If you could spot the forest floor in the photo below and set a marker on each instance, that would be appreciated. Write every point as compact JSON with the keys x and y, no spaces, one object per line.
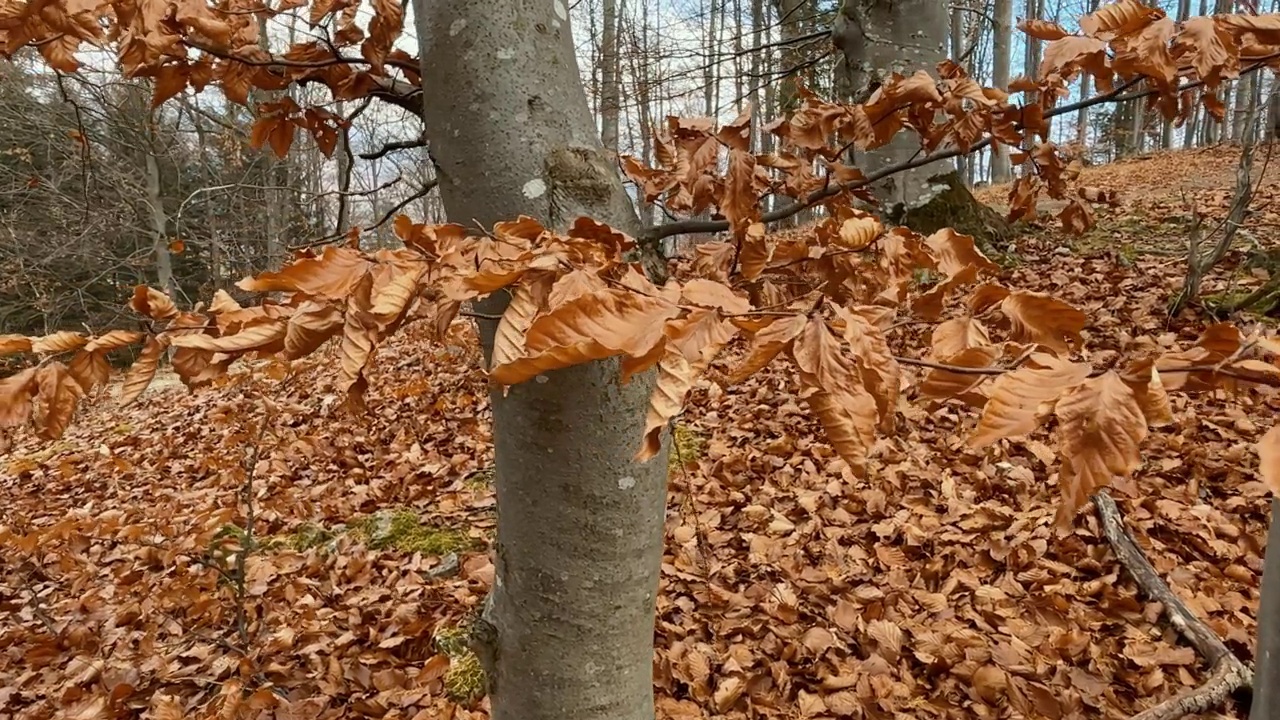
{"x":935,"y":588}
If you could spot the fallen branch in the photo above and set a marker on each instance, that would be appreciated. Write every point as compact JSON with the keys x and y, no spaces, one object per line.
{"x":1228,"y":675}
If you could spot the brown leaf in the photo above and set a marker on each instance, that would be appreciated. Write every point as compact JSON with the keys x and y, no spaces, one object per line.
{"x":508,"y":342}
{"x":152,"y":303}
{"x":952,"y":336}
{"x":59,"y":342}
{"x":1019,"y":399}
{"x":14,"y":344}
{"x":59,"y":393}
{"x":332,"y":276}
{"x":143,"y":370}
{"x":16,"y":393}
{"x":612,"y":321}
{"x":766,"y":343}
{"x":309,"y":327}
{"x":267,"y":336}
{"x":675,"y":377}
{"x":1100,"y":428}
{"x":1039,"y":318}
{"x":713,"y":294}
{"x":113,"y":340}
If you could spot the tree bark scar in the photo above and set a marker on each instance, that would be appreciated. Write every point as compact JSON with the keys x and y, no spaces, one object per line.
{"x":580,"y":182}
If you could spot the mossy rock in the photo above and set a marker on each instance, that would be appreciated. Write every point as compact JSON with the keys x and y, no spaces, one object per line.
{"x":403,"y":530}
{"x":464,"y":681}
{"x":480,"y":479}
{"x":953,"y":206}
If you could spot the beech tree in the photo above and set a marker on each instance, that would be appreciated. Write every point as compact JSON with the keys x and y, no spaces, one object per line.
{"x":590,"y":348}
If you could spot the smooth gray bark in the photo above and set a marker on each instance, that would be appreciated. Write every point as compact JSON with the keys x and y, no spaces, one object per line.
{"x":1266,"y":674}
{"x":609,"y":77}
{"x":567,"y":633}
{"x":878,"y":38}
{"x":1001,"y":53}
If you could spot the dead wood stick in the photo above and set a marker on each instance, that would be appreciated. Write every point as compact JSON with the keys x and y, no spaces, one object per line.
{"x":1228,"y":674}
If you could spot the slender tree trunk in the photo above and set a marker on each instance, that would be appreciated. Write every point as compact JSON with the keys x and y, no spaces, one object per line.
{"x":1002,"y":52}
{"x":1266,"y":675}
{"x":877,"y":38}
{"x":567,"y":632}
{"x":159,"y":220}
{"x":609,"y":78}
{"x":711,"y":69}
{"x":957,"y":53}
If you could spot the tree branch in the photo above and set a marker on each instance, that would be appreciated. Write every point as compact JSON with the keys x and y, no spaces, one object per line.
{"x":689,"y":226}
{"x":1229,"y":673}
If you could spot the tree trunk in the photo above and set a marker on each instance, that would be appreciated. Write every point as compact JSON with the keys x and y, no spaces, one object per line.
{"x":1266,"y":675}
{"x":159,"y":221}
{"x":1002,"y":51}
{"x":567,"y":632}
{"x":880,"y":37}
{"x":609,"y":78}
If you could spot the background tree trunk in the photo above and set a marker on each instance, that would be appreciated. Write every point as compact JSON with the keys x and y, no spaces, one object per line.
{"x":609,"y":78}
{"x":881,"y":37}
{"x":567,"y":633}
{"x":1002,"y":51}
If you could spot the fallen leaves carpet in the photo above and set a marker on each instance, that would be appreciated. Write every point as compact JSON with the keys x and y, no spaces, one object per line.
{"x":936,"y":588}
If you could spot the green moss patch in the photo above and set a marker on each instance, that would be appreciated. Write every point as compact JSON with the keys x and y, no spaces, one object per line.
{"x":464,"y":681}
{"x":404,"y":530}
{"x":686,"y":447}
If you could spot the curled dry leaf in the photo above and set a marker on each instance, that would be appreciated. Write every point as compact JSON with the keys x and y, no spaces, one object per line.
{"x":1039,"y":318}
{"x":767,"y":342}
{"x":14,"y":344}
{"x":309,"y":327}
{"x":267,"y":337}
{"x":332,"y":276}
{"x":113,"y":340}
{"x":613,"y":321}
{"x":59,"y":393}
{"x":675,"y":377}
{"x":143,"y":370}
{"x":508,"y":341}
{"x":942,"y":384}
{"x":16,"y":393}
{"x":152,"y":303}
{"x":951,"y":337}
{"x":713,"y":294}
{"x":59,"y":342}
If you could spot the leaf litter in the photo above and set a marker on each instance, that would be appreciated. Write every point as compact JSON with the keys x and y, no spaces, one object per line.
{"x":935,"y":585}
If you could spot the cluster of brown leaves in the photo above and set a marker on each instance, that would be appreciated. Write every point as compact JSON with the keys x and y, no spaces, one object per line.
{"x":790,"y":586}
{"x":822,"y":299}
{"x":198,"y":43}
{"x":115,"y":581}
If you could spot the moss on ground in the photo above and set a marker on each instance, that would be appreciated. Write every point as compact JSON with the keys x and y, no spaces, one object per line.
{"x":402,"y":529}
{"x":399,"y":529}
{"x":687,"y":446}
{"x":464,"y":681}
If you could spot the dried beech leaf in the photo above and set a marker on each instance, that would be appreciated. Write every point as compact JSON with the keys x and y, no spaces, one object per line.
{"x":1019,"y":399}
{"x":675,"y":377}
{"x":1100,"y":428}
{"x":766,"y":343}
{"x":59,"y":342}
{"x":508,"y":342}
{"x":142,"y":371}
{"x":267,"y":336}
{"x":14,"y":344}
{"x":952,"y":336}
